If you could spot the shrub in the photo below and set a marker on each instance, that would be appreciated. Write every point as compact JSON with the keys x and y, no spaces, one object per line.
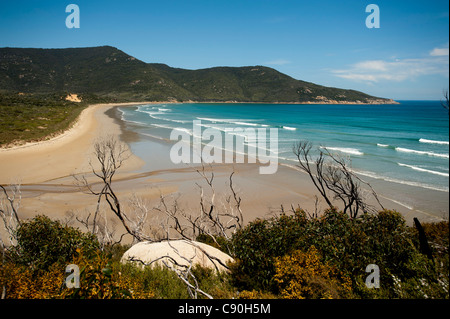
{"x":20,"y":282}
{"x":352,"y":244}
{"x":258,"y":244}
{"x":101,"y":279}
{"x":255,"y":294}
{"x":289,"y":256}
{"x":303,"y":275}
{"x":163,"y":282}
{"x":437,"y":235}
{"x":343,"y":243}
{"x":41,"y":242}
{"x":219,"y":242}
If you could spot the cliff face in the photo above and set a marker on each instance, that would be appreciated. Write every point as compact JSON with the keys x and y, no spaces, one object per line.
{"x":109,"y":72}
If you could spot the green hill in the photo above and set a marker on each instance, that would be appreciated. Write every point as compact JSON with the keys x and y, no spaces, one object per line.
{"x":110,"y":73}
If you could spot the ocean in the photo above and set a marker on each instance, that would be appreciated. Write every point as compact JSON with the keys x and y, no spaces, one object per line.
{"x":405,"y":146}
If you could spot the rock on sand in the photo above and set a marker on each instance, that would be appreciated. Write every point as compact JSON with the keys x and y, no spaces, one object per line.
{"x":182,"y":251}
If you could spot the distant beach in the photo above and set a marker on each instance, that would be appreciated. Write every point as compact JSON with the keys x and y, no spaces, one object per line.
{"x":63,"y":155}
{"x":45,"y":172}
{"x":402,"y":150}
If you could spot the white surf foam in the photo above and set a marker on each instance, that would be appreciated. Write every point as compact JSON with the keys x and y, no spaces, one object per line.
{"x":232,"y":121}
{"x":420,"y":169}
{"x":403,"y":182}
{"x":399,"y":203}
{"x":169,"y":120}
{"x":244,"y":123}
{"x":352,"y":151}
{"x":163,"y":126}
{"x":407,"y":150}
{"x":423,"y":140}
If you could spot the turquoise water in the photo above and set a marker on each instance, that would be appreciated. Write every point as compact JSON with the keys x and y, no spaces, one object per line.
{"x":403,"y":145}
{"x":402,"y":150}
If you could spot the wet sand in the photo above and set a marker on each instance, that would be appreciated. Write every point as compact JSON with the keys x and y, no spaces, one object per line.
{"x":45,"y":170}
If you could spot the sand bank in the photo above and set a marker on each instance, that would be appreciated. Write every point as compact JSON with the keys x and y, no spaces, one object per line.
{"x":45,"y":171}
{"x":63,"y":155}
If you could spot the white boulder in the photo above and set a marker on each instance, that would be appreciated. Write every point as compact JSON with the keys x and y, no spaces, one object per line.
{"x":181,"y":252}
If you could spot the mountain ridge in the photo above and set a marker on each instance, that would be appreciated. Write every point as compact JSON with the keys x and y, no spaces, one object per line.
{"x":109,"y":72}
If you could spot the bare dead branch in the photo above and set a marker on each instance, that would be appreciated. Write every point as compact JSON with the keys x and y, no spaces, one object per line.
{"x":334,"y":178}
{"x":182,"y":270}
{"x":9,"y":206}
{"x":110,"y":154}
{"x":302,"y":152}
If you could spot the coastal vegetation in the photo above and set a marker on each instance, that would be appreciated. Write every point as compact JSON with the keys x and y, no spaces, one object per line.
{"x":27,"y":117}
{"x":287,"y":256}
{"x":294,"y":254}
{"x":34,"y":84}
{"x":108,"y":72}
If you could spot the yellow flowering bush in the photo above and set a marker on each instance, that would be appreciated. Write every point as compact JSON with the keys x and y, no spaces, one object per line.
{"x":100,"y":280}
{"x":255,"y":294}
{"x":302,"y":275}
{"x":21,"y":282}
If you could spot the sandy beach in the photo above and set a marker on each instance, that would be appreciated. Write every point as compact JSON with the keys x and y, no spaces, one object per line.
{"x":63,"y":155}
{"x":45,"y":171}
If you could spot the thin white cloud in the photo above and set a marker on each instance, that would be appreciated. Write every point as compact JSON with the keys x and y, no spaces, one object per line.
{"x":373,"y":71}
{"x":375,"y":65}
{"x":439,"y":52}
{"x":278,"y":62}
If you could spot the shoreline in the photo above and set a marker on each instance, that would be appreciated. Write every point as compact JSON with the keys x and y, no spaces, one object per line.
{"x":299,"y":187}
{"x":62,"y":155}
{"x":329,"y":102}
{"x":73,"y":127}
{"x":332,"y":102}
{"x":48,"y":186}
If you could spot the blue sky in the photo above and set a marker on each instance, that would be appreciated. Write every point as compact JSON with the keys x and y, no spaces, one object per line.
{"x":325,"y":42}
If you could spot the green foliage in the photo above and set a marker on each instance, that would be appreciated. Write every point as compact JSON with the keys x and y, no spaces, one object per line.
{"x":289,"y":256}
{"x":346,"y":244}
{"x":352,"y":244}
{"x":164,"y":283}
{"x":107,"y":71}
{"x":21,"y":282}
{"x":437,"y":235}
{"x":35,"y":82}
{"x":42,"y":242}
{"x":30,"y":117}
{"x":33,"y":117}
{"x":35,"y":268}
{"x":218,"y":285}
{"x":303,"y":275}
{"x":100,"y":278}
{"x":220,"y":242}
{"x":258,"y":244}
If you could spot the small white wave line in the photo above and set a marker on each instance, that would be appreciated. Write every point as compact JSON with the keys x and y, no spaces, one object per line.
{"x":347,"y":150}
{"x":420,"y":169}
{"x":407,"y":150}
{"x":423,"y":140}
